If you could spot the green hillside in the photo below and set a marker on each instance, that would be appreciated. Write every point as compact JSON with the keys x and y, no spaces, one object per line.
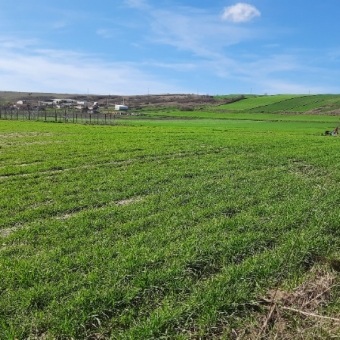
{"x":313,"y":104}
{"x":255,"y":102}
{"x":303,"y":104}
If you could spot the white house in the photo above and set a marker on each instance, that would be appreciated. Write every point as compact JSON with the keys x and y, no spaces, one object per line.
{"x":121,"y":107}
{"x":65,"y":101}
{"x":83,"y":102}
{"x":46,"y":102}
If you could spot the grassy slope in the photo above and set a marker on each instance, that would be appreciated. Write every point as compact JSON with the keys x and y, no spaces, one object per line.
{"x":256,"y":101}
{"x":303,"y":104}
{"x":285,"y":103}
{"x":161,"y":227}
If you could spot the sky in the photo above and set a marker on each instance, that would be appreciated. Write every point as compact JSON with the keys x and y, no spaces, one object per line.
{"x":131,"y":47}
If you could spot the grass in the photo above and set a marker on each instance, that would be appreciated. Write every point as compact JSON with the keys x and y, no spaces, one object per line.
{"x":158,"y":228}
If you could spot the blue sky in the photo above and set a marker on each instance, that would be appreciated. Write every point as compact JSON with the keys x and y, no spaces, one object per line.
{"x":170,"y":46}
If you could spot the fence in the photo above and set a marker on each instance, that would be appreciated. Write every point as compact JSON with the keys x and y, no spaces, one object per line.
{"x":58,"y":116}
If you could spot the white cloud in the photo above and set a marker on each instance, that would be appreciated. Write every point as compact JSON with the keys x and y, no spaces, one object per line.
{"x":240,"y":12}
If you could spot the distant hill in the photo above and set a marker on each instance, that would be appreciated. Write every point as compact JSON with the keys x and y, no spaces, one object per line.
{"x":188,"y":101}
{"x":282,"y":103}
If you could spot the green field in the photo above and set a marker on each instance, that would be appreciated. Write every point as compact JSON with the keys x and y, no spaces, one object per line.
{"x":162,"y":228}
{"x":236,"y":116}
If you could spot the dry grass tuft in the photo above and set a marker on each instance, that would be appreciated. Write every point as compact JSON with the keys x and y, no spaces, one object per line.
{"x":300,"y":313}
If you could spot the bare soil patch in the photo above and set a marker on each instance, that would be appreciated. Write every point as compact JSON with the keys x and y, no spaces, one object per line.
{"x":129,"y":201}
{"x":117,"y":203}
{"x":28,"y":134}
{"x":8,"y":231}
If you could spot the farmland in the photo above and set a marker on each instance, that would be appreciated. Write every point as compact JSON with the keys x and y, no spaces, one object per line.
{"x":165,"y":228}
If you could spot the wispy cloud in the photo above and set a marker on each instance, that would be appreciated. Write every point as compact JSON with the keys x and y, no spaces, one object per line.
{"x":59,"y":24}
{"x":196,"y":32}
{"x":211,"y":42}
{"x":9,"y":42}
{"x":240,"y":12}
{"x":277,"y":86}
{"x":40,"y":70}
{"x":286,"y":73}
{"x":178,"y":67}
{"x":105,"y":33}
{"x":170,"y":50}
{"x":140,"y":4}
{"x":31,"y":68}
